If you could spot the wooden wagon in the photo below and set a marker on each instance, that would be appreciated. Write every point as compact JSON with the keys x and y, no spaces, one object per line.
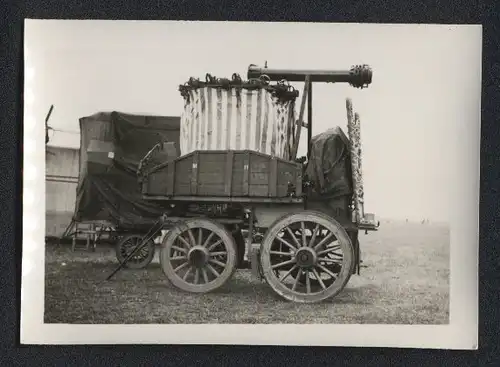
{"x":221,"y":205}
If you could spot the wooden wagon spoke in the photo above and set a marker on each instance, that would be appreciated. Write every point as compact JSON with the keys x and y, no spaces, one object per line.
{"x":323,"y":241}
{"x":177,"y":258}
{"x":218,"y":253}
{"x":294,"y":237}
{"x":180,"y":238}
{"x":327,"y":271}
{"x":289,"y":254}
{"x":283,"y":264}
{"x":180,"y":267}
{"x":318,"y":278}
{"x":200,"y":236}
{"x":205,"y":275}
{"x":214,"y":245}
{"x":213,"y":271}
{"x":180,"y":249}
{"x":196,"y":276}
{"x":308,"y":282}
{"x":330,"y":251}
{"x":208,"y":239}
{"x":284,"y":242}
{"x":191,"y":236}
{"x":287,"y":274}
{"x":217,"y":262}
{"x":330,"y":260}
{"x":303,"y":230}
{"x":296,"y":283}
{"x":314,"y":234}
{"x":186,"y":274}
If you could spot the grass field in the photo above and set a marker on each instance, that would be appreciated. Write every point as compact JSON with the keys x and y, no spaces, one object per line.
{"x":406,"y":281}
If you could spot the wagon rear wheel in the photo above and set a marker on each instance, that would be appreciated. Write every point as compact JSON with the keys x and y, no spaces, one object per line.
{"x":307,"y":257}
{"x":141,"y":258}
{"x":198,"y":256}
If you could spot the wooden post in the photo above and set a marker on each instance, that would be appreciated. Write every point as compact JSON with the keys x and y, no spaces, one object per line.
{"x":73,"y":240}
{"x":300,"y":121}
{"x":360,"y":190}
{"x":354,"y":161}
{"x":353,"y":128}
{"x":309,"y":118}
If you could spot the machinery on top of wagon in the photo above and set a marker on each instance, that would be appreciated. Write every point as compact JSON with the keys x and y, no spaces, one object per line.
{"x":238,"y":187}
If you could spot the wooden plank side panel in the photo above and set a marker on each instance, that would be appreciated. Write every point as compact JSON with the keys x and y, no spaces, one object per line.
{"x":228,"y":174}
{"x":183,"y":172}
{"x":210,"y":161}
{"x":273,"y":177}
{"x":259,"y":190}
{"x":211,"y":171}
{"x":246,"y":174}
{"x":259,"y":163}
{"x":171,"y":177}
{"x":238,"y":162}
{"x":194,"y":173}
{"x":211,"y":189}
{"x":286,"y":174}
{"x":156,"y":183}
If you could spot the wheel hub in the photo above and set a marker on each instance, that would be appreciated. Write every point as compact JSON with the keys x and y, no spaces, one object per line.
{"x":129,"y":247}
{"x":306,"y":257}
{"x":198,"y":256}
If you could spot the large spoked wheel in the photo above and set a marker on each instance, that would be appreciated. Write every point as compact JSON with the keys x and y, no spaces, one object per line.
{"x":141,"y":258}
{"x":198,"y":256}
{"x":307,"y":257}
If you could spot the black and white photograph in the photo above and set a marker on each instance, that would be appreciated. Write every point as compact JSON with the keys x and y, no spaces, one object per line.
{"x":251,"y":183}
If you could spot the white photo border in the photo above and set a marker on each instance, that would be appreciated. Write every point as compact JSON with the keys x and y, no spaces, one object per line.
{"x":460,"y":333}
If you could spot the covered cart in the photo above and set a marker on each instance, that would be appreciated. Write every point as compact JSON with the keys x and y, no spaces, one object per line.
{"x":112,"y":146}
{"x":238,"y":173}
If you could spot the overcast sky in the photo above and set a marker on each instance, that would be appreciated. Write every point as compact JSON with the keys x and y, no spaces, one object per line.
{"x":425,"y":88}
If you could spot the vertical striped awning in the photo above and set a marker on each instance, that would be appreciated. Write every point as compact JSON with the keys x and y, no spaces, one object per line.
{"x":237,"y":118}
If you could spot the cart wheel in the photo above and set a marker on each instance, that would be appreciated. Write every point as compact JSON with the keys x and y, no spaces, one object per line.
{"x":296,"y":248}
{"x":142,"y":258}
{"x":199,"y":255}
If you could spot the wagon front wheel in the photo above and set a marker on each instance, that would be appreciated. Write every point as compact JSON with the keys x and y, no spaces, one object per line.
{"x":142,"y":256}
{"x":307,"y":257}
{"x":198,"y":256}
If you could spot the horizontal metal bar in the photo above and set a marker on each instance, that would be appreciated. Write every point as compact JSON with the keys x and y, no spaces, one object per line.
{"x":62,"y":176}
{"x":358,"y":76}
{"x":61,"y":180}
{"x":224,"y":199}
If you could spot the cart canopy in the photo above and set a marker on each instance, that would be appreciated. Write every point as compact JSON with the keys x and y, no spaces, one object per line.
{"x":329,"y":166}
{"x":111,"y":146}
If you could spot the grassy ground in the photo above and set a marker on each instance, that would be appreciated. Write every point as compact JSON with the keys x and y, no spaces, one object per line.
{"x":406,"y":281}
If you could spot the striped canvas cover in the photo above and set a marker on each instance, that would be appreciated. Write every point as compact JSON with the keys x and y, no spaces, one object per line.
{"x":237,"y":119}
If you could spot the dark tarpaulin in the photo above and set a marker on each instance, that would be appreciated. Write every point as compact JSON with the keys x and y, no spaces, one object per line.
{"x":329,"y":166}
{"x":111,"y":147}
